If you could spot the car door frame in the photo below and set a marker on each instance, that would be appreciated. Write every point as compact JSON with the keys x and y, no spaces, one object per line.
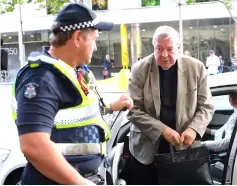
{"x":232,"y":150}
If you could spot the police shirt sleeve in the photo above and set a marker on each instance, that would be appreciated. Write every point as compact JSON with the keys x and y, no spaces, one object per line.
{"x":37,"y":106}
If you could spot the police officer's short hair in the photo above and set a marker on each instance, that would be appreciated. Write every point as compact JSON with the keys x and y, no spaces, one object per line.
{"x":58,"y":38}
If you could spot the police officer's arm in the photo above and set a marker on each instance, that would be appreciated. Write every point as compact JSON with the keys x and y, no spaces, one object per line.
{"x":43,"y":154}
{"x":123,"y":102}
{"x":217,"y":145}
{"x":35,"y":119}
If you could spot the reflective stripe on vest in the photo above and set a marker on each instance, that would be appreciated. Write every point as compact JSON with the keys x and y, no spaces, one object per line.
{"x":82,"y":148}
{"x":70,"y":117}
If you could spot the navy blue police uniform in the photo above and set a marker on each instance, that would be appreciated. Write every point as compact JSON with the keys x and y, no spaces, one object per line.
{"x":50,"y":96}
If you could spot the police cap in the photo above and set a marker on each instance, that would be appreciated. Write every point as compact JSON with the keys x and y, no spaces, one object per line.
{"x":76,"y":16}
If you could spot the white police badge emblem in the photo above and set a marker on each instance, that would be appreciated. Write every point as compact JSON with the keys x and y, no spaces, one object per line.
{"x":30,"y":91}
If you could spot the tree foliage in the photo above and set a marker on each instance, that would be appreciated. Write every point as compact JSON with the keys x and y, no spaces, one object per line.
{"x":150,"y":2}
{"x":227,"y":3}
{"x":54,"y":5}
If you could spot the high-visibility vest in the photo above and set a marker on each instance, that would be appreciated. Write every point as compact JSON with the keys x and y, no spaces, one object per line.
{"x":83,"y":115}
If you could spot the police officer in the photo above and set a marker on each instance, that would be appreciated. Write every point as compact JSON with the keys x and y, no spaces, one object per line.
{"x":61,"y":131}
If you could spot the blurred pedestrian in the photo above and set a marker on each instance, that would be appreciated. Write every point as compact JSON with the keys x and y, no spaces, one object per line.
{"x":232,"y":63}
{"x":107,"y":67}
{"x":212,"y":63}
{"x":221,"y":67}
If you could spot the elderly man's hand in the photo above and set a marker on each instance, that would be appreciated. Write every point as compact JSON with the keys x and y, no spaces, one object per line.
{"x":188,"y":137}
{"x":123,"y":102}
{"x":171,"y":136}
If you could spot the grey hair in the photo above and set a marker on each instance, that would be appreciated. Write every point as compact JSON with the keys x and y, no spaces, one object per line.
{"x":165,"y":32}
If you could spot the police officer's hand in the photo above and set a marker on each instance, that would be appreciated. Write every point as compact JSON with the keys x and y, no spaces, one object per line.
{"x":188,"y":137}
{"x":123,"y":102}
{"x":171,"y":136}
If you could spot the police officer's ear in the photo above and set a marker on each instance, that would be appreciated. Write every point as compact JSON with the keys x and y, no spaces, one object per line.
{"x":77,"y":37}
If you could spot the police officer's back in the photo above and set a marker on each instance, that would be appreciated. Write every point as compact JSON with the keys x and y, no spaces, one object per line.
{"x":53,"y":108}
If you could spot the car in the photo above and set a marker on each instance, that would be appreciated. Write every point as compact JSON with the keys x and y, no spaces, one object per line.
{"x":221,"y":85}
{"x":12,"y":161}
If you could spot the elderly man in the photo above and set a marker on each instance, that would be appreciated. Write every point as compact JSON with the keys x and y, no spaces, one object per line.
{"x":212,"y":63}
{"x":172,"y":104}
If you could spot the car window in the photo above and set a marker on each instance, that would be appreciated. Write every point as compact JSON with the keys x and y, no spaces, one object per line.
{"x":222,"y":102}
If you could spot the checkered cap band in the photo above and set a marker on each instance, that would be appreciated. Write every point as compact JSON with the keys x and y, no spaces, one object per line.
{"x":78,"y":26}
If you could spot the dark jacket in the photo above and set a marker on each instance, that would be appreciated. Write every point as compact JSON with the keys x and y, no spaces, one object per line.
{"x":107,"y":64}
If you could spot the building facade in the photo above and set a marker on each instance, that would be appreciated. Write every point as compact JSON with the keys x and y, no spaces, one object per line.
{"x":206,"y":26}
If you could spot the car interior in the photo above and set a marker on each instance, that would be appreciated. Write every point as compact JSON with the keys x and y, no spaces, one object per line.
{"x":222,"y":113}
{"x":119,"y":156}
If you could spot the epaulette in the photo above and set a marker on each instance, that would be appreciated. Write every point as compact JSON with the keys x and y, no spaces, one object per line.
{"x":34,"y":59}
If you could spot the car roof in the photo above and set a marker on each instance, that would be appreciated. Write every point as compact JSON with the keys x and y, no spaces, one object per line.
{"x":222,"y":80}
